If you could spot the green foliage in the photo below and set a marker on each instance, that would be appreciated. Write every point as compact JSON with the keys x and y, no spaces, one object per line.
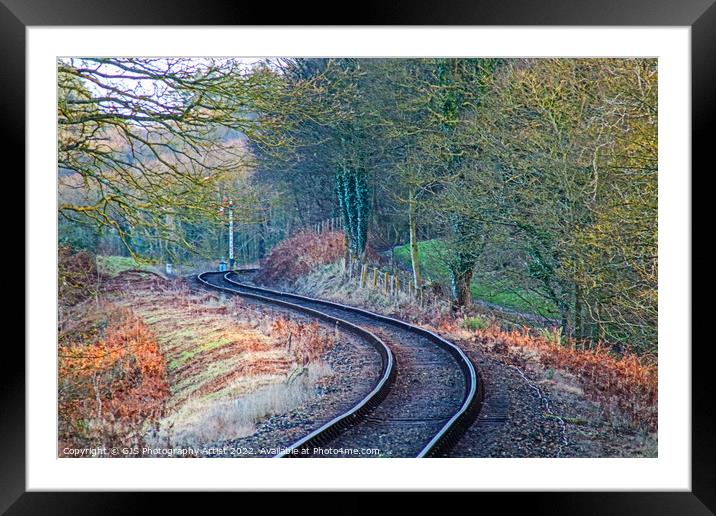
{"x":498,"y":291}
{"x":551,"y":335}
{"x":113,"y":265}
{"x":575,"y":141}
{"x":475,"y":322}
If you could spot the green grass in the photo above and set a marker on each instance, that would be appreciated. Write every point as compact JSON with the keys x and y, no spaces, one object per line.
{"x":505,"y":294}
{"x":475,"y":322}
{"x":113,"y":265}
{"x":185,"y":356}
{"x":499,"y":292}
{"x":431,"y":261}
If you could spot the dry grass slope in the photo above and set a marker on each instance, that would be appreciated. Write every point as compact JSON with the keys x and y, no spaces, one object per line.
{"x":144,"y":361}
{"x":229,"y":364}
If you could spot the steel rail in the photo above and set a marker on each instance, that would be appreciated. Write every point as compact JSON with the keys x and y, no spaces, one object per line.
{"x":453,"y":429}
{"x":330,"y":429}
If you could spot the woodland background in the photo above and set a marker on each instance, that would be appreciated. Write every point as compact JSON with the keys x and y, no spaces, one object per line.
{"x":531,"y":182}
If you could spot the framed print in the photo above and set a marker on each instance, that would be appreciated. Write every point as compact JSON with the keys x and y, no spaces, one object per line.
{"x":447,"y":247}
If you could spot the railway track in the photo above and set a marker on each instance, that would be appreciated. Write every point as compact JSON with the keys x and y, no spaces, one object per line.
{"x":427,"y":394}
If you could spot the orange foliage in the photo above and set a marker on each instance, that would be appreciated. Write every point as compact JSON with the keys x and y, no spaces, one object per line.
{"x":112,"y":380}
{"x":298,"y":255}
{"x":257,"y":341}
{"x":625,"y":382}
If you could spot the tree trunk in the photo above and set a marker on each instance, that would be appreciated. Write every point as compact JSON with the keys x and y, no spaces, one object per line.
{"x":577,"y":313}
{"x":346,"y":251}
{"x":461,"y":287}
{"x":414,"y":253}
{"x":564,"y":314}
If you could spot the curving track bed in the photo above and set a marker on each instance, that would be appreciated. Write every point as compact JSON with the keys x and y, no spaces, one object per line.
{"x":428,"y":394}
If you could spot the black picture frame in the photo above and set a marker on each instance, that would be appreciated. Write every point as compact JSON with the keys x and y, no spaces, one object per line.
{"x":700,"y":15}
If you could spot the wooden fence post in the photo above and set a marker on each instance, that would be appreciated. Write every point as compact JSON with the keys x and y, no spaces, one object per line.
{"x":375,"y":277}
{"x":363,"y":275}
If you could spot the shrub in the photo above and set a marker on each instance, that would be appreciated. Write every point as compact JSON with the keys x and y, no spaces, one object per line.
{"x":551,"y":335}
{"x":76,"y":276}
{"x":626,"y":383}
{"x":112,"y":380}
{"x":298,"y":255}
{"x":475,"y":322}
{"x":113,"y":265}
